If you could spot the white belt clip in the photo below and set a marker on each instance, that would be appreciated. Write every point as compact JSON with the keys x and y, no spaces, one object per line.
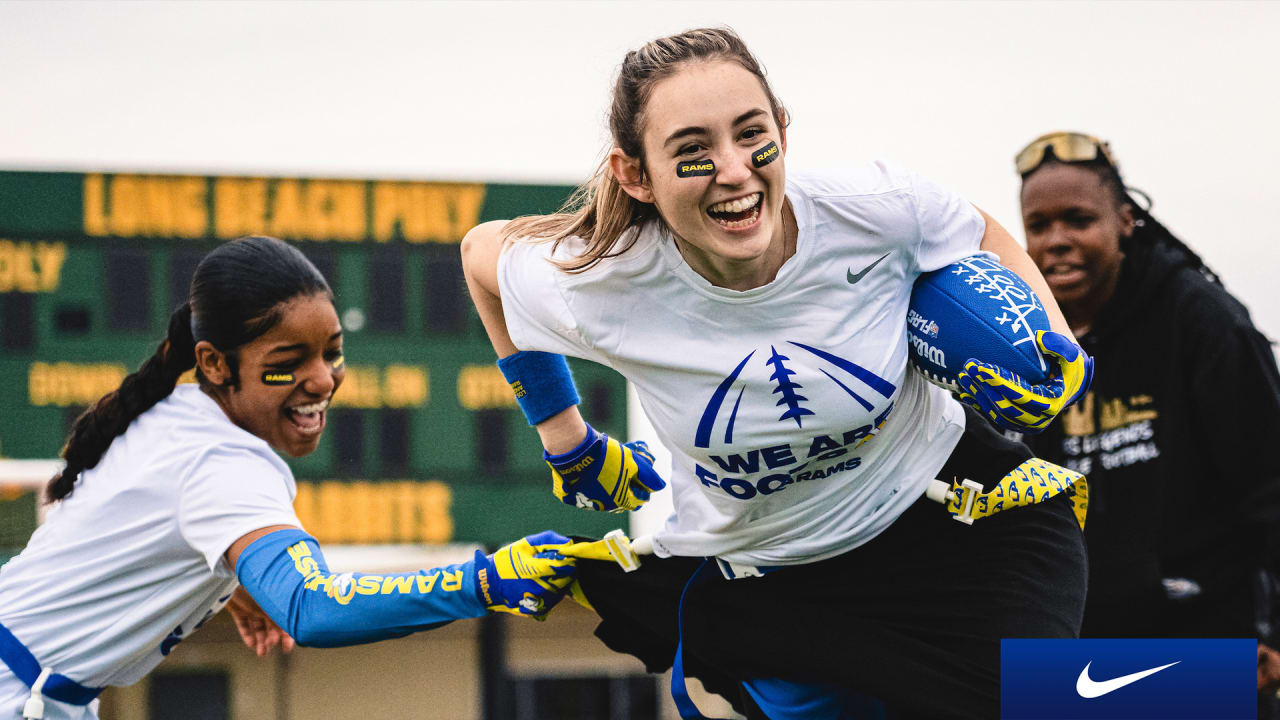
{"x":34,"y":709}
{"x":940,"y":491}
{"x":732,"y":571}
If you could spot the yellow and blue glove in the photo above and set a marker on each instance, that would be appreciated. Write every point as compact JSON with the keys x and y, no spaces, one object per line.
{"x":527,"y":577}
{"x":604,"y":474}
{"x":1014,"y":404}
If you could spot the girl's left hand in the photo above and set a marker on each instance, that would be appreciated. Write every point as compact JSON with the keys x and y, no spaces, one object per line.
{"x":258,"y":631}
{"x":604,"y":474}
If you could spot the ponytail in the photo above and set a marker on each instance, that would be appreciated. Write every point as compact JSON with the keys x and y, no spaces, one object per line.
{"x":94,"y":430}
{"x":599,"y":212}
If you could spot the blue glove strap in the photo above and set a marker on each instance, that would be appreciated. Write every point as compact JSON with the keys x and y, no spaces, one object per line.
{"x":287,"y":576}
{"x":574,"y":455}
{"x":541,"y":382}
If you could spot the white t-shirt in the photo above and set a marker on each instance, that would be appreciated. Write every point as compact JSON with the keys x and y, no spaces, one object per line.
{"x":132,"y":561}
{"x":768,"y":398}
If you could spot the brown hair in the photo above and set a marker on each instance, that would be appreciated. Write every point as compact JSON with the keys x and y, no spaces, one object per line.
{"x":600,"y":211}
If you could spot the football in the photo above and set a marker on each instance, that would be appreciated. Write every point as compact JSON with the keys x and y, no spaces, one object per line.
{"x":975,"y":308}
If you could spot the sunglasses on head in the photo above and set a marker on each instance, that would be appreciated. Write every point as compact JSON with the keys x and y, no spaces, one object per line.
{"x":1067,"y":147}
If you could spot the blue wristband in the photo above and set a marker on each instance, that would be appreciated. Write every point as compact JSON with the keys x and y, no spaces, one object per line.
{"x":541,"y":382}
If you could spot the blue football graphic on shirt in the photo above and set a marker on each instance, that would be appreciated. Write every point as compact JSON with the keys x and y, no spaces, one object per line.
{"x":975,"y":308}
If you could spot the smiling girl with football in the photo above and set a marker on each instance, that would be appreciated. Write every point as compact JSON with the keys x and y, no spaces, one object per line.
{"x":761,"y":317}
{"x":174,"y":503}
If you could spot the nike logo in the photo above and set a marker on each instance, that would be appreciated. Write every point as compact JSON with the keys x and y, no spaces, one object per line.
{"x":1089,"y":688}
{"x":855,"y":278}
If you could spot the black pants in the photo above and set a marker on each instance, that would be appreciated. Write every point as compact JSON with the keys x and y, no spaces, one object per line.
{"x":913,"y":617}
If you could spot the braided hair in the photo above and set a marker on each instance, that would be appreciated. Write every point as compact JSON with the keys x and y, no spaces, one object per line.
{"x":236,"y":295}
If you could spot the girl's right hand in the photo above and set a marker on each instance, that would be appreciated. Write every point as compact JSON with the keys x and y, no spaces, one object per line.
{"x":258,"y":631}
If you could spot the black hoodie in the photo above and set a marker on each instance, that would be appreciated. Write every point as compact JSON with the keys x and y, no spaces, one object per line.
{"x":1179,"y":437}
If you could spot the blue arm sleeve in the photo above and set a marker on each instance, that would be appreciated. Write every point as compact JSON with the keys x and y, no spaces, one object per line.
{"x":287,"y":576}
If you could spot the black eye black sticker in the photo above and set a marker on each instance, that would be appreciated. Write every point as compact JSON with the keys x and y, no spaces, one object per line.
{"x":339,"y":362}
{"x":277,"y":378}
{"x":765,"y":155}
{"x":696,"y":168}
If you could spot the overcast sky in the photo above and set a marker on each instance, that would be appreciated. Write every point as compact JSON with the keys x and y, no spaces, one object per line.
{"x":1186,"y":92}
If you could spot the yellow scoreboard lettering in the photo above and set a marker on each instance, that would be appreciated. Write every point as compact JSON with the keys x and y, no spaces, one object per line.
{"x":363,"y":513}
{"x":400,"y":511}
{"x":482,"y":386}
{"x":433,"y":519}
{"x":288,"y":208}
{"x":405,"y":386}
{"x":31,"y":267}
{"x":396,"y":386}
{"x":360,"y":389}
{"x":393,"y":211}
{"x":146,"y":206}
{"x":425,"y":212}
{"x":64,"y":384}
{"x":404,"y":518}
{"x":335,"y":210}
{"x":317,"y":210}
{"x":240,"y":207}
{"x":292,"y":209}
{"x":286,"y":217}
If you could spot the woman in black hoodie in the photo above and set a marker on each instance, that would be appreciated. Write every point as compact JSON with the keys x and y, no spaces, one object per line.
{"x":1179,"y":434}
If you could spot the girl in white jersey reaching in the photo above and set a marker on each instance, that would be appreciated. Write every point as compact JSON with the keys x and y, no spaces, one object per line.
{"x":174,"y":503}
{"x":762,"y":319}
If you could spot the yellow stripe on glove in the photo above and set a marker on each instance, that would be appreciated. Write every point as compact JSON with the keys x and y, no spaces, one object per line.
{"x":604,"y":474}
{"x":1014,"y":404}
{"x":527,"y":577}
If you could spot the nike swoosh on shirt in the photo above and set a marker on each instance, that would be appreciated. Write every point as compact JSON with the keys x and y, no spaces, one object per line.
{"x":1089,"y":688}
{"x":855,"y":278}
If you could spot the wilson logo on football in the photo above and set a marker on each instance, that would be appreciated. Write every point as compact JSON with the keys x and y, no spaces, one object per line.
{"x":925,"y":351}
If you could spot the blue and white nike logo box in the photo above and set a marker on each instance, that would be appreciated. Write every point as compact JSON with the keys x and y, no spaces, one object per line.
{"x":1163,"y":679}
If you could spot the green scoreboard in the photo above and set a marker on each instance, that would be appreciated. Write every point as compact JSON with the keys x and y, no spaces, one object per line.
{"x":424,"y":442}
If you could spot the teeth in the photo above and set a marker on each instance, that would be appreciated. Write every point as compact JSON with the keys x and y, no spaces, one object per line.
{"x":310,"y":409}
{"x":735,"y":206}
{"x":735,"y":224}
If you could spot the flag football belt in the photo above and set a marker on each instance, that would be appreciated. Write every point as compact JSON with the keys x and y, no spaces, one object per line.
{"x":27,"y":669}
{"x":1034,"y":481}
{"x":609,"y":549}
